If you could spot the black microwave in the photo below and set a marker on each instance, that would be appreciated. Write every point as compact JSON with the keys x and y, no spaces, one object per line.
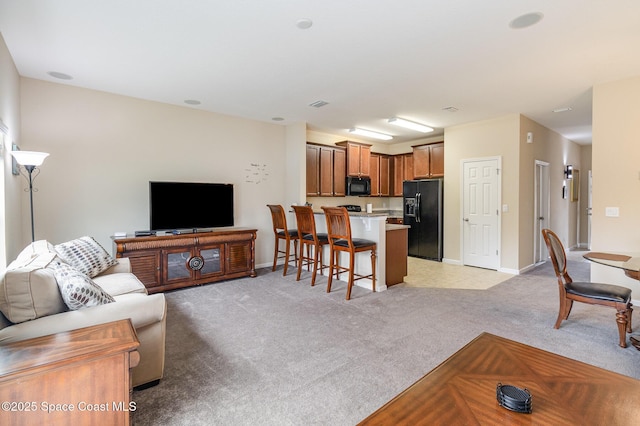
{"x":358,"y":185}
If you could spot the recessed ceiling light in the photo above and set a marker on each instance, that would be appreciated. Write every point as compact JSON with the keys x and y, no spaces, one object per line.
{"x":60,"y":75}
{"x":410,"y":125}
{"x":304,"y":23}
{"x":526,"y":20}
{"x":563,"y":109}
{"x":370,"y":134}
{"x":192,"y":102}
{"x":277,"y":119}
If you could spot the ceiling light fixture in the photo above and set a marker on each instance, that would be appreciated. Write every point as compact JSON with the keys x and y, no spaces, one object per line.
{"x":450,"y":109}
{"x":526,"y":20}
{"x":60,"y":75}
{"x":192,"y":102}
{"x":564,"y":109}
{"x":410,"y":125}
{"x":370,"y":134}
{"x":304,"y":23}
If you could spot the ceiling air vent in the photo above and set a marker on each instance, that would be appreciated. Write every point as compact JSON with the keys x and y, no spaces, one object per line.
{"x":318,"y":104}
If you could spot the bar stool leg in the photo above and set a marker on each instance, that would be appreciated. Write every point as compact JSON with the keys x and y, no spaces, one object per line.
{"x":352,"y":262}
{"x":286,"y":256}
{"x":331,"y":266}
{"x":275,"y":255}
{"x":373,"y":269}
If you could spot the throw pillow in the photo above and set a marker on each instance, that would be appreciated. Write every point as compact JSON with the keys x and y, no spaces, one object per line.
{"x":86,"y":255}
{"x":77,"y":289}
{"x":28,"y":289}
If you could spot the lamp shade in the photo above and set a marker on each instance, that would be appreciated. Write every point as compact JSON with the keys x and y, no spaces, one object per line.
{"x":29,"y":158}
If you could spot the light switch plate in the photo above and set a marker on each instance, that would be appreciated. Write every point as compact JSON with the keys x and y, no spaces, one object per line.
{"x":612,"y":211}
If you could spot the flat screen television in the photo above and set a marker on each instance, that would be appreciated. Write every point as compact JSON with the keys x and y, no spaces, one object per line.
{"x":190,"y":205}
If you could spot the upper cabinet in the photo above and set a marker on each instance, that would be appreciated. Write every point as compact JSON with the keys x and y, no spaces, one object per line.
{"x":380,"y":170}
{"x":358,"y":158}
{"x":428,"y":160}
{"x":402,"y":170}
{"x":326,"y":171}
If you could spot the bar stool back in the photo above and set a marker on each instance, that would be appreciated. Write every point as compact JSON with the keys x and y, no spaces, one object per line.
{"x":340,"y":240}
{"x":281,"y":232}
{"x":310,"y":239}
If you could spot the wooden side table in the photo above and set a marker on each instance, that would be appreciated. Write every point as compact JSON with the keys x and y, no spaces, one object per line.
{"x":76,"y":377}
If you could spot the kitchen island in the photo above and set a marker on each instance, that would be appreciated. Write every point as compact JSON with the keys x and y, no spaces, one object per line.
{"x":372,"y":226}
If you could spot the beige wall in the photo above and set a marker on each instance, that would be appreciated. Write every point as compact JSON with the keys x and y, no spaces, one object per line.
{"x":10,"y":114}
{"x":616,"y":173}
{"x":491,"y":138}
{"x":506,"y":137}
{"x":105,"y":148}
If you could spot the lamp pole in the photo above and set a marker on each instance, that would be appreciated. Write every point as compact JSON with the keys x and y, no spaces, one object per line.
{"x":30,"y":171}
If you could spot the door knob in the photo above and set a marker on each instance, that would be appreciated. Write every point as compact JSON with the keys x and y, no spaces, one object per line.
{"x":465,"y":219}
{"x":541,"y":218}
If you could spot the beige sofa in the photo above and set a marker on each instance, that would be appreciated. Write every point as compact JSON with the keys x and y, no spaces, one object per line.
{"x":147,"y":312}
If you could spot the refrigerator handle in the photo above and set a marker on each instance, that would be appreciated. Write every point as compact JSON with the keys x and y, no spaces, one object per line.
{"x":418,"y":200}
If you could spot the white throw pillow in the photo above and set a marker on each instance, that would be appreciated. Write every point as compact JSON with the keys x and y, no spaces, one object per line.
{"x":86,"y":255}
{"x":77,"y":289}
{"x":28,"y":289}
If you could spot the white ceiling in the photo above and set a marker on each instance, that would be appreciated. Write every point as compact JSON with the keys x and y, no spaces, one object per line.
{"x":369,"y":59}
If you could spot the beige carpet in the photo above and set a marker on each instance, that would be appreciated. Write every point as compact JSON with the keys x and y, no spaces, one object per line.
{"x":428,"y":273}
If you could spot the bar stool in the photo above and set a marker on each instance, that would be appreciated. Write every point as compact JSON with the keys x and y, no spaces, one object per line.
{"x":281,"y":232}
{"x":339,"y":229}
{"x":310,"y":239}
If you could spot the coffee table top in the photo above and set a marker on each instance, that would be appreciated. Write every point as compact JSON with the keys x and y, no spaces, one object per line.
{"x":462,"y":390}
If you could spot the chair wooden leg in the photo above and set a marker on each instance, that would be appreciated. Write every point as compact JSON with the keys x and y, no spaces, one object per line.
{"x":621,"y":319}
{"x":275,"y":254}
{"x":352,"y":260}
{"x":299,"y":262}
{"x":373,"y":269}
{"x":563,"y":314}
{"x":629,"y":312}
{"x":331,"y":266}
{"x":286,"y":256}
{"x":316,"y":250}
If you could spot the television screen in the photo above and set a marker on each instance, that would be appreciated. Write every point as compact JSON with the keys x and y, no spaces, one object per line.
{"x":190,"y":205}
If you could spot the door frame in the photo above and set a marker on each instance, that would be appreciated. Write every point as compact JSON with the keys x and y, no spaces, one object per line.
{"x":538,"y":239}
{"x":498,"y":236}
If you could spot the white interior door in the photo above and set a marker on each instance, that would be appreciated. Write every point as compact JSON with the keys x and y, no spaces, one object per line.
{"x":541,"y":215}
{"x":480,"y":213}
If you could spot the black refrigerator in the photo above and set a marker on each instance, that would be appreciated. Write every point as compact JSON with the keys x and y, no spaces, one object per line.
{"x":422,"y":201}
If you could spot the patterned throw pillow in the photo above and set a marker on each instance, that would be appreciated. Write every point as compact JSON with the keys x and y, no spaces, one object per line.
{"x":78,"y":290}
{"x":86,"y":255}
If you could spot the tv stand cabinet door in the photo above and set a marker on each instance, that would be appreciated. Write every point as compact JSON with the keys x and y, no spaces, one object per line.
{"x":145,"y":265}
{"x":213,"y":261}
{"x":175,"y":267}
{"x":239,"y":257}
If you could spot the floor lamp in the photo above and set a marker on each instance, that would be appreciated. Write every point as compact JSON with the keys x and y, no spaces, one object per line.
{"x":30,"y":160}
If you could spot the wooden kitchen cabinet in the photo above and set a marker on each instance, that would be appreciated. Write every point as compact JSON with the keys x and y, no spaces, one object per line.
{"x":402,"y":170}
{"x":326,"y":171}
{"x":358,"y":158}
{"x":428,"y":160}
{"x":380,"y":169}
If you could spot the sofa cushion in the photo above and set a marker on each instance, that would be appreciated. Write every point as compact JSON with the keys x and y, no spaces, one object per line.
{"x":77,"y":289}
{"x":34,"y":249}
{"x":120,"y":283}
{"x":86,"y":255}
{"x":28,"y":289}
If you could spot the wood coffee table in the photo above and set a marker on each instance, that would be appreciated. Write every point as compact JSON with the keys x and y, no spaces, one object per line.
{"x":462,"y":390}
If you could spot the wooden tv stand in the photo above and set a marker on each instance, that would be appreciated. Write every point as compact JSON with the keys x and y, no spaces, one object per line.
{"x":169,"y":262}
